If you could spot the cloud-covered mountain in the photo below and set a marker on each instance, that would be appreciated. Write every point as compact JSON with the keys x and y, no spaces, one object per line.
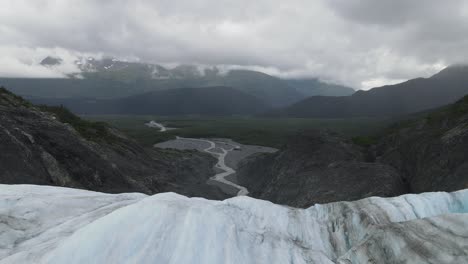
{"x":110,"y":78}
{"x":361,"y":43}
{"x":312,"y":87}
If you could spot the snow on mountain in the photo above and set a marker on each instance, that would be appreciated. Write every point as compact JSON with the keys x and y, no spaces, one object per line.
{"x":142,"y":70}
{"x":57,"y":225}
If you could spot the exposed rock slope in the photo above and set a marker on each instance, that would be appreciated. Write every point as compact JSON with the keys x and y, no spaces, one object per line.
{"x":37,"y":148}
{"x":430,"y":152}
{"x":317,"y":167}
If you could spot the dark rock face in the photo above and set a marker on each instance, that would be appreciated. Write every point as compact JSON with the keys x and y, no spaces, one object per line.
{"x":38,"y":149}
{"x":431,"y":153}
{"x":318,"y":167}
{"x":51,"y":61}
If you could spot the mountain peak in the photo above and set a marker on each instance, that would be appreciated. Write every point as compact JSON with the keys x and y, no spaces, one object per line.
{"x":51,"y":61}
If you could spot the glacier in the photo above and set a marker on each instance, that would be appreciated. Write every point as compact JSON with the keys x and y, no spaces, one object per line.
{"x":42,"y":224}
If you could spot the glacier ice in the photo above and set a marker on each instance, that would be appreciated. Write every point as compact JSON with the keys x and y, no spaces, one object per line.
{"x":42,"y":224}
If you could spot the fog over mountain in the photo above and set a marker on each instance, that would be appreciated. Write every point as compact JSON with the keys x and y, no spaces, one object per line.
{"x":358,"y":43}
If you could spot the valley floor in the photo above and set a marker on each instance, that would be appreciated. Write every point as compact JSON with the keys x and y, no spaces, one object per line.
{"x":41,"y":224}
{"x":273,"y":132}
{"x":228,"y":153}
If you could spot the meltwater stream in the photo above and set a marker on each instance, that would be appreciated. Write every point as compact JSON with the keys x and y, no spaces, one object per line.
{"x":221,"y":177}
{"x":221,"y":164}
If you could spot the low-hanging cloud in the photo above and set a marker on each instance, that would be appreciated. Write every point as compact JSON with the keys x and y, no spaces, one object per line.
{"x":362,"y":43}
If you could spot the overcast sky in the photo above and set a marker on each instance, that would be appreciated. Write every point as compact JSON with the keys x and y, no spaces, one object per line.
{"x":362,"y":43}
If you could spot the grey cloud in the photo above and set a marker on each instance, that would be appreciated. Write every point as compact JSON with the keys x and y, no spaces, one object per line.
{"x":395,"y":12}
{"x":430,"y":30}
{"x":355,"y":42}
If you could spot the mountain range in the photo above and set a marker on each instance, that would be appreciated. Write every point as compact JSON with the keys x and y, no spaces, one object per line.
{"x":112,"y":86}
{"x":412,"y":96}
{"x":111,"y":78}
